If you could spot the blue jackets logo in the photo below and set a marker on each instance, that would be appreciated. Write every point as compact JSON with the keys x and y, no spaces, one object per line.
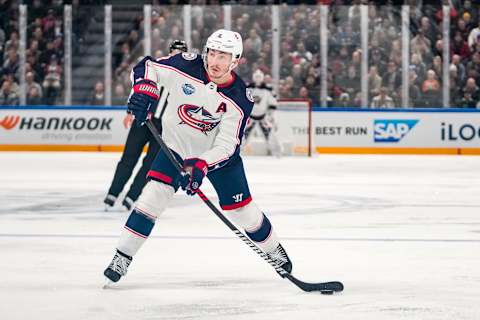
{"x":188,"y":89}
{"x":389,"y":130}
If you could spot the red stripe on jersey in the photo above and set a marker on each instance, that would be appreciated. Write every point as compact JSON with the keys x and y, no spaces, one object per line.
{"x":238,"y":204}
{"x":160,"y":176}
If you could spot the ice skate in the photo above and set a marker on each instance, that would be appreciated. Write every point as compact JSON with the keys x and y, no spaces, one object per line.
{"x":279,"y":255}
{"x":109,"y":201}
{"x":127,"y":203}
{"x":118,"y":267}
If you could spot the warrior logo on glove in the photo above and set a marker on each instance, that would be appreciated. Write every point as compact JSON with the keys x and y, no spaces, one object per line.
{"x":144,"y":100}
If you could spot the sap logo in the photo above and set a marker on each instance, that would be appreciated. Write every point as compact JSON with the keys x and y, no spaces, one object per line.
{"x":188,"y":89}
{"x":392,"y":130}
{"x":9,"y":122}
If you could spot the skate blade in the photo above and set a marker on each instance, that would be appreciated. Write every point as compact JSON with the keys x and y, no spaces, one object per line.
{"x":108,"y":284}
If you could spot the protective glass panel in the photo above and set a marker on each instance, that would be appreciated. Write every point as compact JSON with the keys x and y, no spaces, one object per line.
{"x":300,"y":53}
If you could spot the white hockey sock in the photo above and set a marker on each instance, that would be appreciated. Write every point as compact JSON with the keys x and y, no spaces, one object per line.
{"x":152,"y":202}
{"x":256,"y":225}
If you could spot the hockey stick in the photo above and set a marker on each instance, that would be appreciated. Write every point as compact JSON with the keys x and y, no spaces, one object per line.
{"x":323,"y":287}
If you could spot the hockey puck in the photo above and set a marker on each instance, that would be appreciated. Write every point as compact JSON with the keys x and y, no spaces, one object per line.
{"x":326,"y":292}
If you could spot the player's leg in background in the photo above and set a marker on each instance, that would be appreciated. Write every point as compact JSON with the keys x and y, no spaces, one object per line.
{"x":141,"y":177}
{"x":159,"y":190}
{"x":136,"y":140}
{"x":247,"y":133}
{"x":231,"y":185}
{"x":268,"y":129}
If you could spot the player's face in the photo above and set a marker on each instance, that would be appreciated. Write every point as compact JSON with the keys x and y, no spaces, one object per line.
{"x":218,"y":64}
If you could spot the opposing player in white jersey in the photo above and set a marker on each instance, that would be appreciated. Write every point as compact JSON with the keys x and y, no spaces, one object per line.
{"x":263,"y":113}
{"x":203,"y":125}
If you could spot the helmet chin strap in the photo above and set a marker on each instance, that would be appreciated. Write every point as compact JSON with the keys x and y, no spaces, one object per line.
{"x":233,"y":65}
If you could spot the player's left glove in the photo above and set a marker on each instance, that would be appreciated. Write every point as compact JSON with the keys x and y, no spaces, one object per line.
{"x":197,"y":170}
{"x":144,"y":100}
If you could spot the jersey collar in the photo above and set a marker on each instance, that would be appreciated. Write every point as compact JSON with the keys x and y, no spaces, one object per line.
{"x":226,"y":84}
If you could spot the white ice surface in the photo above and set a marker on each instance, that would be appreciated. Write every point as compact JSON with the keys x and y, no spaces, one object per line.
{"x":401,"y":232}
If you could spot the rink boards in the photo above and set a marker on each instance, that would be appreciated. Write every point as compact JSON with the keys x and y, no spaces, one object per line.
{"x":416,"y":131}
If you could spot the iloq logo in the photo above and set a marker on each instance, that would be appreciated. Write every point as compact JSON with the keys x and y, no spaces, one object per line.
{"x":454,"y":132}
{"x":387,"y":130}
{"x":9,"y":122}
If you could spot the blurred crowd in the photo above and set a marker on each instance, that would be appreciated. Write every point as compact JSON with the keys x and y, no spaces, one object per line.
{"x":300,"y":62}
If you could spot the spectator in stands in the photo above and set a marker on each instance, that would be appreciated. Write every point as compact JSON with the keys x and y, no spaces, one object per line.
{"x":383,"y":100}
{"x":9,"y":96}
{"x":12,"y":42}
{"x":378,"y":60}
{"x":393,"y":77}
{"x":38,"y":36}
{"x":474,"y":37}
{"x":460,"y":46}
{"x":467,"y":101}
{"x":437,"y":65}
{"x":461,"y":73}
{"x":48,"y":24}
{"x":119,"y":95}
{"x":472,"y":89}
{"x":2,"y":39}
{"x":454,"y":86}
{"x":420,"y":67}
{"x":304,"y":94}
{"x":396,"y":52}
{"x":51,"y":83}
{"x":98,"y":96}
{"x":473,"y":66}
{"x":414,"y":92}
{"x":462,"y":28}
{"x":33,"y":96}
{"x":30,"y":82}
{"x":431,"y":90}
{"x":438,"y":49}
{"x":374,"y":81}
{"x":350,"y":84}
{"x":421,"y":45}
{"x":428,"y":29}
{"x":12,"y":63}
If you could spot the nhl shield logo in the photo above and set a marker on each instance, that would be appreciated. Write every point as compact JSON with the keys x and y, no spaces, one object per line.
{"x":197,"y":118}
{"x":188,"y":89}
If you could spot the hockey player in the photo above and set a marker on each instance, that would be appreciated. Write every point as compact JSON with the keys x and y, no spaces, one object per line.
{"x":137,"y":138}
{"x":263,"y":113}
{"x":203,"y":126}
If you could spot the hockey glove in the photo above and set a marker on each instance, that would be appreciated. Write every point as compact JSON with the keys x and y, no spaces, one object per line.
{"x":196,"y":169}
{"x":144,"y":100}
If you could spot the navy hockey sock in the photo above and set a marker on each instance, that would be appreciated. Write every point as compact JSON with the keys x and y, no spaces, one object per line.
{"x":139,"y":224}
{"x":262,"y":233}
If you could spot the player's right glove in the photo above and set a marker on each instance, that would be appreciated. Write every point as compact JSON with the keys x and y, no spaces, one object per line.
{"x":144,"y":100}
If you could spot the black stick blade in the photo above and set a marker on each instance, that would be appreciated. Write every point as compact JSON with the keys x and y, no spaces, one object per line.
{"x":323,"y":287}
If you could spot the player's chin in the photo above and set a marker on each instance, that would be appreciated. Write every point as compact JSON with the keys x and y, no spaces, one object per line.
{"x":215,"y":73}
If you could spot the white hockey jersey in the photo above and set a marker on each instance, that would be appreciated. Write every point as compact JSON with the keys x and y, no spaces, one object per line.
{"x":201,"y":119}
{"x":263,"y":98}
